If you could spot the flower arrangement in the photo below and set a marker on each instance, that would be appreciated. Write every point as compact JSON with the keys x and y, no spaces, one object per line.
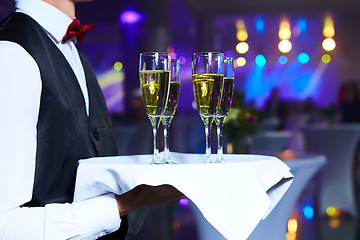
{"x":242,"y":122}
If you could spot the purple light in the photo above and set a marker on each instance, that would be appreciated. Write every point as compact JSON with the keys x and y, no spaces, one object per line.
{"x":182,"y":60}
{"x":184,"y":202}
{"x":130,"y":16}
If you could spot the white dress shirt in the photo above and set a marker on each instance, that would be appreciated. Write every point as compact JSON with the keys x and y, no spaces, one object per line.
{"x":19,"y":107}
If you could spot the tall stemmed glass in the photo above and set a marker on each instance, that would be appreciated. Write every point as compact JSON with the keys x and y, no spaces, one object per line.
{"x":154,"y":71}
{"x":171,"y":106}
{"x":207,"y":75}
{"x":225,"y":103}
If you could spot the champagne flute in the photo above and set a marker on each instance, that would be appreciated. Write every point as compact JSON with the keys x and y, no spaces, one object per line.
{"x":171,"y":106}
{"x":154,"y":71}
{"x":225,"y":103}
{"x":207,"y":75}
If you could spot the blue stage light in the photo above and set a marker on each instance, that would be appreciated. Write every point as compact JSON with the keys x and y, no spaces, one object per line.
{"x":283,"y":59}
{"x":302,"y":24}
{"x":303,"y":58}
{"x":260,"y":25}
{"x":260,"y":60}
{"x":308,"y":212}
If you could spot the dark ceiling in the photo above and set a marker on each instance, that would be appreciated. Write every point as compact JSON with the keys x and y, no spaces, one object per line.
{"x":208,"y":7}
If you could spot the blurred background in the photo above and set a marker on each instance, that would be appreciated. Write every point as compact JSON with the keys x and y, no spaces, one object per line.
{"x":306,"y":54}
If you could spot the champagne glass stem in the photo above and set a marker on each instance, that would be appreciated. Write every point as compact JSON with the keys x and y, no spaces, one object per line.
{"x":166,"y":143}
{"x":208,"y":142}
{"x":156,"y":157}
{"x":219,"y":125}
{"x":155,"y":126}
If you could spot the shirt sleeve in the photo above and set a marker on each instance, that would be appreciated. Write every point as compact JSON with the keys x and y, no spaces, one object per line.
{"x":20,"y":93}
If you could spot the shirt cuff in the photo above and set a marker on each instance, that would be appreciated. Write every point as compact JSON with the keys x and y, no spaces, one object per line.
{"x":88,"y":219}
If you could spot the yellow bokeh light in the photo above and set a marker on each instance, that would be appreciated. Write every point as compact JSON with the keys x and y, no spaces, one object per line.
{"x":229,"y":148}
{"x":331,"y":211}
{"x":334,"y":223}
{"x":292,"y":226}
{"x":290,"y":236}
{"x":284,"y":23}
{"x":285,"y":46}
{"x":285,"y":33}
{"x":328,"y":21}
{"x":326,"y":58}
{"x":240,"y":24}
{"x":284,"y":29}
{"x":242,"y":35}
{"x":118,"y":66}
{"x":241,"y":61}
{"x":329,"y":31}
{"x":242,"y":47}
{"x":328,"y":44}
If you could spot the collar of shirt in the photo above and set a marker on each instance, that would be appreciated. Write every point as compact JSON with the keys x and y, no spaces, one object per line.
{"x":51,"y":19}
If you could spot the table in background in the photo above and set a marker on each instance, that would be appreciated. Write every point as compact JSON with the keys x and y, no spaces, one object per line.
{"x":339,"y":144}
{"x":269,"y":142}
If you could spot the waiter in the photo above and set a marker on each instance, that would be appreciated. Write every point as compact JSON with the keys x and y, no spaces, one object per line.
{"x":52,"y":114}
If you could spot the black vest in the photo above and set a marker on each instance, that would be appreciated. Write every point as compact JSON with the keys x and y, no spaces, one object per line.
{"x":65,"y":134}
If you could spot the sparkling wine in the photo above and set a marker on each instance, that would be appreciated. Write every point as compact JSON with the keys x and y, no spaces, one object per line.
{"x":155,"y":90}
{"x":172,"y":102}
{"x":207,"y":92}
{"x":226,"y":98}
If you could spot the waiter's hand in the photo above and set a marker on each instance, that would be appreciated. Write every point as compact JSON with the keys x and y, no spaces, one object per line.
{"x":147,"y":196}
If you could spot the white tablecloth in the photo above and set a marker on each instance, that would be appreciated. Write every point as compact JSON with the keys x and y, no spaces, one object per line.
{"x":233,"y":196}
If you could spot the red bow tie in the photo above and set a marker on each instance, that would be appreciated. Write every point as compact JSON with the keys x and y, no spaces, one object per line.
{"x":77,"y":30}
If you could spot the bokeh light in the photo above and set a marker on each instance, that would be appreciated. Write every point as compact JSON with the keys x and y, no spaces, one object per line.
{"x":284,"y":33}
{"x":229,"y":53}
{"x":328,"y":44}
{"x":260,"y":60}
{"x":242,"y":47}
{"x":303,"y":58}
{"x":302,"y":24}
{"x":182,"y":60}
{"x":285,"y":46}
{"x":241,"y":34}
{"x":332,"y":212}
{"x":118,"y":66}
{"x":260,"y":25}
{"x":292,"y":225}
{"x":334,"y":223}
{"x":184,"y":202}
{"x":240,"y":61}
{"x":284,"y":29}
{"x":326,"y":58}
{"x":283,"y":59}
{"x":328,"y":30}
{"x":130,"y":16}
{"x":308,"y":212}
